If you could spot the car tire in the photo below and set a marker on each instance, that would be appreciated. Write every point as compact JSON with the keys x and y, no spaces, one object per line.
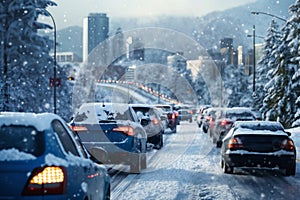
{"x":135,"y":165}
{"x":174,"y":129}
{"x":159,"y":141}
{"x":204,"y":129}
{"x":291,"y":170}
{"x":226,"y":168}
{"x":219,"y":144}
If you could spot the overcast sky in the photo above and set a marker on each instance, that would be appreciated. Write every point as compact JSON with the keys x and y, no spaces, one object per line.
{"x":71,"y":12}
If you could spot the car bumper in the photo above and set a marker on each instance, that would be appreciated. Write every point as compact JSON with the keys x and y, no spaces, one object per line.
{"x":267,"y":160}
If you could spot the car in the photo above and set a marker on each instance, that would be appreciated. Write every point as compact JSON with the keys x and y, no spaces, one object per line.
{"x":225,"y":118}
{"x":155,"y":127}
{"x":115,"y":128}
{"x":258,"y":144}
{"x":200,"y":115}
{"x":42,"y":158}
{"x":209,"y":115}
{"x":171,"y":114}
{"x":185,"y":115}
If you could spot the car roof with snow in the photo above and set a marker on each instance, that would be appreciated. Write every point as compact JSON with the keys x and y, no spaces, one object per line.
{"x":40,"y":121}
{"x":92,"y":112}
{"x":259,"y":125}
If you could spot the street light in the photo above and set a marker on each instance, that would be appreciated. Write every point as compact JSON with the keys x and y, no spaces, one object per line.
{"x":257,"y":36}
{"x":54,"y":80}
{"x":264,"y":13}
{"x":253,"y":37}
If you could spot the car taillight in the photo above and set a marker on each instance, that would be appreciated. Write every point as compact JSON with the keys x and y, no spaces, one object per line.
{"x":155,"y":121}
{"x":46,"y":180}
{"x":235,"y":143}
{"x":288,"y":145}
{"x":127,"y":130}
{"x":173,"y":116}
{"x":208,"y":118}
{"x":78,"y":128}
{"x":224,"y":122}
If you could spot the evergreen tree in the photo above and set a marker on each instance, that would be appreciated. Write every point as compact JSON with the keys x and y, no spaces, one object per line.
{"x":266,"y":64}
{"x":294,"y":47}
{"x":25,"y":61}
{"x":235,"y":83}
{"x":280,"y":98}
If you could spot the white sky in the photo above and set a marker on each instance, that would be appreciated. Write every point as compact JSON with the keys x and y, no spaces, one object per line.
{"x":71,"y":12}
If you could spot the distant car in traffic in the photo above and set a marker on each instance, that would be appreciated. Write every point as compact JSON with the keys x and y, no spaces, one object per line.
{"x":200,"y":115}
{"x":258,"y":144}
{"x":185,"y":115}
{"x":154,"y":126}
{"x":225,"y":118}
{"x":41,"y":158}
{"x":115,"y":128}
{"x":208,"y":118}
{"x":171,"y":114}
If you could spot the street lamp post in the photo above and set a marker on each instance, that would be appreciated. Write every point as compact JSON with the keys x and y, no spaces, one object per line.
{"x":254,"y":64}
{"x":54,"y":80}
{"x":264,"y":13}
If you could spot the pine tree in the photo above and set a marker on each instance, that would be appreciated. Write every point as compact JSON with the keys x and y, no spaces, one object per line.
{"x":279,"y":100}
{"x":25,"y":60}
{"x":266,"y":64}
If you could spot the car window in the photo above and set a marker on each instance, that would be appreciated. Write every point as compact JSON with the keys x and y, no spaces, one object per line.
{"x":23,"y":138}
{"x":79,"y":144}
{"x":64,"y":137}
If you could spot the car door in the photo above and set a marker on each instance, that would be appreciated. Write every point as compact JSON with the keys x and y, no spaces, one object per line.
{"x":82,"y":175}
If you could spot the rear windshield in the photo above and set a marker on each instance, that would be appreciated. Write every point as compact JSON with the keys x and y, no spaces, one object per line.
{"x":273,"y":127}
{"x":241,"y":115}
{"x":94,"y":114}
{"x":23,"y":138}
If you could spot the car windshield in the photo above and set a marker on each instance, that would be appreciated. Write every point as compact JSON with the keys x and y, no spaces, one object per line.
{"x":22,"y":138}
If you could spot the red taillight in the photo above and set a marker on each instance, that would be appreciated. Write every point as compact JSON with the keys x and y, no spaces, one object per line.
{"x":46,"y":180}
{"x":288,"y":145}
{"x":224,"y":122}
{"x":155,"y":121}
{"x":208,"y":118}
{"x":78,"y":128}
{"x":173,"y":116}
{"x":127,"y":130}
{"x":235,"y":143}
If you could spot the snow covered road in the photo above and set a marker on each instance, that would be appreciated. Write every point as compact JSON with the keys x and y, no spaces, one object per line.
{"x":187,"y":167}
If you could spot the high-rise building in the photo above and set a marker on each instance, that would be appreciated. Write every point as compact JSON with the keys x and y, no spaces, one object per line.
{"x":95,"y":31}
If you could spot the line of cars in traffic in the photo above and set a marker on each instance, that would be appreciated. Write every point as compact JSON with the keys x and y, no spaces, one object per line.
{"x":118,"y":133}
{"x":44,"y":157}
{"x":246,"y":141}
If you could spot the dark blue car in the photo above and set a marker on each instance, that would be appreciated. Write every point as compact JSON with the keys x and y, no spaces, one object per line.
{"x":114,"y":128}
{"x":40,"y":158}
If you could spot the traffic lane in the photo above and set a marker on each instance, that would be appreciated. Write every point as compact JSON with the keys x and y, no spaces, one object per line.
{"x":188,"y":167}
